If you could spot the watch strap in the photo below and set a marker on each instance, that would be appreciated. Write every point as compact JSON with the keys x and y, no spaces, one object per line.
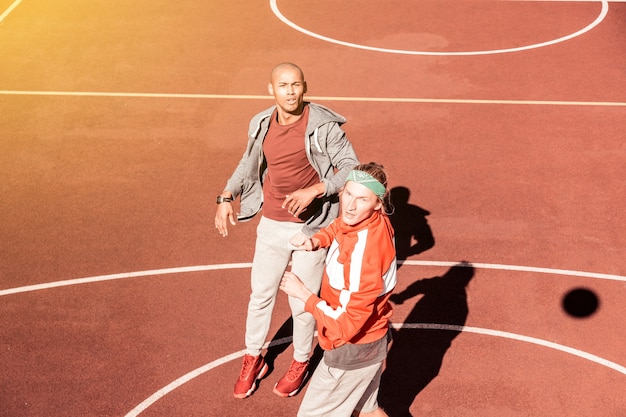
{"x":221,"y":199}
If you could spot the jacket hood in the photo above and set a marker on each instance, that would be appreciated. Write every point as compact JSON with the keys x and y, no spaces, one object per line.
{"x":319,"y":115}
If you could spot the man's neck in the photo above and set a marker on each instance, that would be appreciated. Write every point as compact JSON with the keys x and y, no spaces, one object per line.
{"x":284,"y":118}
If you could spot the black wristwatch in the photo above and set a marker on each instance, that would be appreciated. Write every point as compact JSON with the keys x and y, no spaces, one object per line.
{"x":221,"y":199}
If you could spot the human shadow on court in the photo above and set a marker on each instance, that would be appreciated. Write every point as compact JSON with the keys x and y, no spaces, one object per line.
{"x":412,"y":232}
{"x":418,"y":347}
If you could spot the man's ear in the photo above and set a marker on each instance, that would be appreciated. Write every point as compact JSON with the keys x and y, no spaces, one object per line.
{"x":305,"y":88}
{"x":270,"y":88}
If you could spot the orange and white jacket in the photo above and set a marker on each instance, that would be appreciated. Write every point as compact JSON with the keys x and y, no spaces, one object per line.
{"x":360,"y":274}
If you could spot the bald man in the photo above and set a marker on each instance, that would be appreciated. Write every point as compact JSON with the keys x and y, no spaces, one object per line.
{"x":296,"y":160}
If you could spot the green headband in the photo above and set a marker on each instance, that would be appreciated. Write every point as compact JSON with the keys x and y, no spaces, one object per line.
{"x":368,"y":181}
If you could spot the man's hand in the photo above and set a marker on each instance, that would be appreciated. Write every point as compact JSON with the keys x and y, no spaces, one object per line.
{"x":299,"y":200}
{"x":292,"y":286}
{"x":302,"y":242}
{"x":224,"y":215}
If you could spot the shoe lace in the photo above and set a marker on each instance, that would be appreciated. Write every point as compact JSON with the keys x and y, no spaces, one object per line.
{"x":296,"y":369}
{"x":248,"y":362}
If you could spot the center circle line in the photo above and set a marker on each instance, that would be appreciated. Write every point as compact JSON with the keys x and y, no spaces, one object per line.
{"x":603,"y":12}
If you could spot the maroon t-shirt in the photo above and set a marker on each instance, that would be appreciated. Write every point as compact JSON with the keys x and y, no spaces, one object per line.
{"x":288,"y":168}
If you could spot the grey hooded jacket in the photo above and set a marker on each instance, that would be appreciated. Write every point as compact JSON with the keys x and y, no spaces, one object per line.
{"x":329,"y":153}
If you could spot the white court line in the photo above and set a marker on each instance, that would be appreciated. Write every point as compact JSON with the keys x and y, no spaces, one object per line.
{"x":195,"y":373}
{"x":507,"y":335}
{"x":424,"y":326}
{"x":124,"y":275}
{"x":565,"y":1}
{"x":603,"y":12}
{"x":9,"y":10}
{"x":179,"y":270}
{"x":568,"y":1}
{"x":123,"y":94}
{"x":473,"y":101}
{"x":522,"y":268}
{"x":313,"y":98}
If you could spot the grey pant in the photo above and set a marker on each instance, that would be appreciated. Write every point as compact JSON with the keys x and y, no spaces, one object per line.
{"x":335,"y":392}
{"x":271,"y":258}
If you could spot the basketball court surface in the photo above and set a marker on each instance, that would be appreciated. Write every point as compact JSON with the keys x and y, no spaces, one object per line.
{"x":500,"y":124}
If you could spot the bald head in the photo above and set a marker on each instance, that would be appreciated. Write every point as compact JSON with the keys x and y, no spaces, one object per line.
{"x":278,"y":69}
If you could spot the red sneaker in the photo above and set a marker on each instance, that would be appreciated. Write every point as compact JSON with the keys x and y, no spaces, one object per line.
{"x":290,"y":384}
{"x":253,"y":369}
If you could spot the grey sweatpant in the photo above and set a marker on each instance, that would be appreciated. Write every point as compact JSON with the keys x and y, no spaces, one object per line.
{"x":272,"y":255}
